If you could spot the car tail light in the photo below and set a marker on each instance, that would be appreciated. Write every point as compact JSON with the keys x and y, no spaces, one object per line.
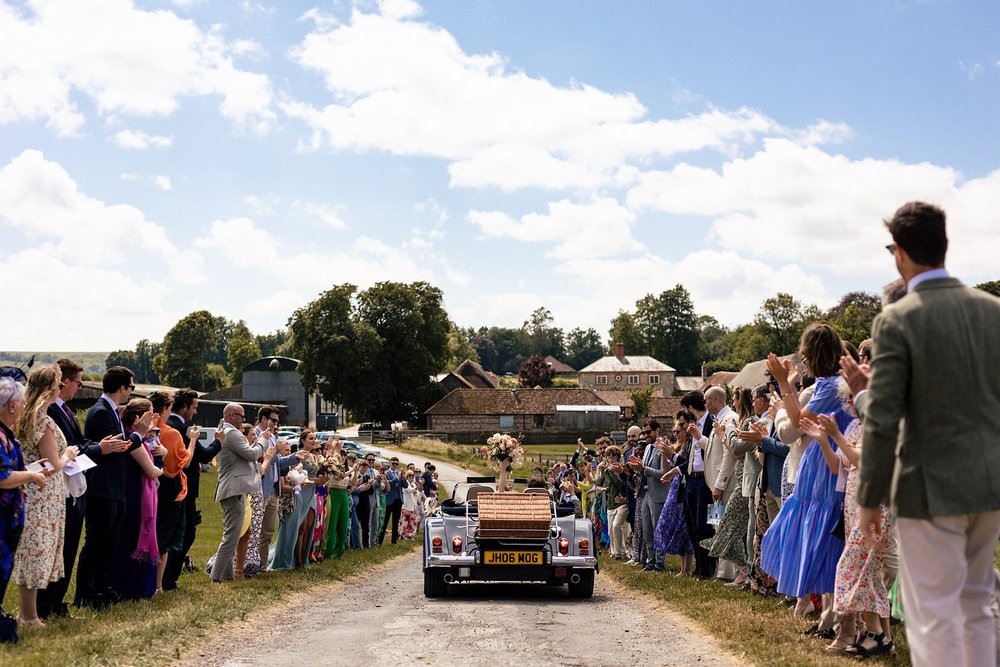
{"x":584,"y":547}
{"x":436,"y":545}
{"x":563,"y":546}
{"x":456,"y":544}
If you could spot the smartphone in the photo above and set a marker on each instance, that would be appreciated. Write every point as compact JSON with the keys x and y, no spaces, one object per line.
{"x":191,"y":430}
{"x":222,"y":423}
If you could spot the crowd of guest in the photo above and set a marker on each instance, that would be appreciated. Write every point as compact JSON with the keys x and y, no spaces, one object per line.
{"x":755,"y":487}
{"x":136,"y":504}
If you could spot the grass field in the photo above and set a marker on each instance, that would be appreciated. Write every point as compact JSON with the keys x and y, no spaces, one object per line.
{"x":761,"y":629}
{"x":151,"y":632}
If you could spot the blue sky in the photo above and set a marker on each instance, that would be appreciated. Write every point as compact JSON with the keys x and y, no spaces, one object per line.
{"x":159,"y":157}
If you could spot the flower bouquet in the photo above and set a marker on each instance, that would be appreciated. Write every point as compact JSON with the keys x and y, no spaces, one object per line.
{"x":331,"y":466}
{"x":503,"y":451}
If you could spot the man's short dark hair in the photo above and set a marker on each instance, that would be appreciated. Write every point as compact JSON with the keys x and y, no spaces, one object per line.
{"x":184,"y":398}
{"x":652,"y":424}
{"x":762,"y":391}
{"x":267,"y":411}
{"x":686,"y":415}
{"x":115,"y":378}
{"x":694,"y":400}
{"x":919,"y":229}
{"x":68,"y":368}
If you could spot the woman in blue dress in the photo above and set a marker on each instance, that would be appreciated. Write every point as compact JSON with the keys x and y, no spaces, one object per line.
{"x":282,"y":555}
{"x":671,"y":535}
{"x":800,"y":550}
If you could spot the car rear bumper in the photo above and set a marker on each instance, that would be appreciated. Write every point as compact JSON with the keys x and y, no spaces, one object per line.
{"x":448,"y":560}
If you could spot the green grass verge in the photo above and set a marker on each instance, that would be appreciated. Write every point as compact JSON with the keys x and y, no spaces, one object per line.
{"x":152,"y":632}
{"x":763,"y":630}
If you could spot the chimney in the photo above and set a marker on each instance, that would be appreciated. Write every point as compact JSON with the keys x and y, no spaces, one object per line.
{"x":620,"y":350}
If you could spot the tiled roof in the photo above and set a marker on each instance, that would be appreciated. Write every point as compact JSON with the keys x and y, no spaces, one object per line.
{"x":664,"y":407}
{"x":558,"y":366}
{"x":627,"y":364}
{"x":511,"y":401}
{"x":688,"y":382}
{"x":718,"y":379}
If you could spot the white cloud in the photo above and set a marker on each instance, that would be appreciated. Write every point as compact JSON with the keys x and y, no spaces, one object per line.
{"x":135,"y":140}
{"x":800,"y":202}
{"x":126,"y":60}
{"x":42,"y":201}
{"x":599,"y":228}
{"x":408,"y":88}
{"x":970,"y":70}
{"x":326,"y":215}
{"x":162,"y":182}
{"x":129,"y":176}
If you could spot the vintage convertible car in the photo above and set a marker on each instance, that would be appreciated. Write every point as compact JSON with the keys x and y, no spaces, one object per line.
{"x":480,"y":535}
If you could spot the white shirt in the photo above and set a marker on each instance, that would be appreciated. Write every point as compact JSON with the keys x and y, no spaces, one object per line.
{"x":697,"y":456}
{"x":933,"y":274}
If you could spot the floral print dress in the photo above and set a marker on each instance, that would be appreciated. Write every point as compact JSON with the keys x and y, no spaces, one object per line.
{"x":39,"y":558}
{"x":859,"y":585}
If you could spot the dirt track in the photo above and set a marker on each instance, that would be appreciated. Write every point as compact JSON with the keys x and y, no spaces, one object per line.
{"x":383,"y":618}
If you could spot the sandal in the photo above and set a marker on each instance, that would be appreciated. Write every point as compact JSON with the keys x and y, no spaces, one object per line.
{"x":839,"y":646}
{"x":32,"y":623}
{"x":882,"y":647}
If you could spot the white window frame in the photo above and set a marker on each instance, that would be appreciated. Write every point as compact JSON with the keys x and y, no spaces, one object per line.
{"x":654,"y":379}
{"x":601,"y":379}
{"x":633,"y":379}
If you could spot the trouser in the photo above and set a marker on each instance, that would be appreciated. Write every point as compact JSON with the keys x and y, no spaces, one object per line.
{"x":355,"y":524}
{"x":392,"y":513}
{"x":364,"y":513}
{"x":373,"y":523}
{"x":751,"y":529}
{"x":338,"y":523}
{"x":650,"y":515}
{"x":268,"y":526}
{"x":697,"y":498}
{"x":51,"y":599}
{"x":947,"y":581}
{"x":890,"y":566}
{"x":773,"y":504}
{"x":619,"y":529}
{"x":175,"y":564}
{"x":103,"y":518}
{"x":232,"y":525}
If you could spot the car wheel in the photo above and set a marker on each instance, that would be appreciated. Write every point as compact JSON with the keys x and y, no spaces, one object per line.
{"x":585,"y":587}
{"x":434,"y":584}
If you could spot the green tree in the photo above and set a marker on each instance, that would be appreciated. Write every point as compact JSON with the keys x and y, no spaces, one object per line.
{"x":376,"y":353}
{"x":242,"y":350}
{"x":625,"y":331}
{"x":781,"y":319}
{"x":543,"y":338}
{"x":270,"y":343}
{"x":459,"y":348}
{"x":216,"y":377}
{"x":124,"y":358}
{"x":642,"y":399}
{"x":186,"y":350}
{"x":486,"y":350}
{"x":993,"y":287}
{"x":670,"y":326}
{"x":535,"y":372}
{"x":511,"y":347}
{"x":583,"y":347}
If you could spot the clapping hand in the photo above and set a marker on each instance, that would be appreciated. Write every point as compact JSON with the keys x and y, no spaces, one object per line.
{"x":635,"y":462}
{"x":779,"y":370}
{"x":72,"y":452}
{"x":753,"y":435}
{"x":113,"y":444}
{"x":811,"y":428}
{"x":829,"y":424}
{"x":144,"y":423}
{"x":856,"y":375}
{"x":694,"y":431}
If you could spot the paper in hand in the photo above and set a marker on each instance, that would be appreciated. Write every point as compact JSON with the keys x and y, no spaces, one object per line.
{"x":82,"y":463}
{"x":38,"y":466}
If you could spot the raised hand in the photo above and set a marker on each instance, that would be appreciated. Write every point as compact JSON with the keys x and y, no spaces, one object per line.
{"x":144,"y":423}
{"x":811,"y":428}
{"x":778,"y":370}
{"x":856,"y":375}
{"x":828,"y":424}
{"x":113,"y":444}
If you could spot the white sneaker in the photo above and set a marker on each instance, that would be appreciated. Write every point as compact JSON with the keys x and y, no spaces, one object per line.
{"x":630,"y":562}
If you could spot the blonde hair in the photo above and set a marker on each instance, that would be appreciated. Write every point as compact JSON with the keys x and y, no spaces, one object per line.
{"x":43,"y":385}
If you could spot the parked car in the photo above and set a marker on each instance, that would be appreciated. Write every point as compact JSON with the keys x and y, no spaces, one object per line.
{"x":369,"y":427}
{"x":457,"y":550}
{"x":288,"y":431}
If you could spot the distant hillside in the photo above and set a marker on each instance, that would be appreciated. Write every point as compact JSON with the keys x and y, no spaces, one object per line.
{"x":92,"y":362}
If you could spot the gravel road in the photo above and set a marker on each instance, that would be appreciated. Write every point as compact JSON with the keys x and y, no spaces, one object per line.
{"x":382,"y":618}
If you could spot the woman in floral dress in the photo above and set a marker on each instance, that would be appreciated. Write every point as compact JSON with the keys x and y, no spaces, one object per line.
{"x":39,"y":557}
{"x":671,"y":535}
{"x":860,"y":587}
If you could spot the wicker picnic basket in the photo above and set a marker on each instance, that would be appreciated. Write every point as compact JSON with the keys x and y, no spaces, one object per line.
{"x":524,"y":515}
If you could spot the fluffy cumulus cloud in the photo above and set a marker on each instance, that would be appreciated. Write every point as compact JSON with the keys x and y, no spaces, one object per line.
{"x":407,"y":87}
{"x":596,"y":229}
{"x":126,"y":60}
{"x":42,"y":201}
{"x":135,"y":140}
{"x":795,"y":200}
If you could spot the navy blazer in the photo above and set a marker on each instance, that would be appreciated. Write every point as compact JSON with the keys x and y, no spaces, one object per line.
{"x":775,"y":452}
{"x":202,"y":454}
{"x":107,"y":480}
{"x":74,"y":436}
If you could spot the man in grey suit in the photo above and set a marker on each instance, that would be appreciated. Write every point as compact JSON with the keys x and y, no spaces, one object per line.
{"x":652,"y":493}
{"x":931,"y":417}
{"x":238,"y":477}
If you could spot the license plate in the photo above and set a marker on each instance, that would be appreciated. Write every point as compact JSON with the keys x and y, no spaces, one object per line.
{"x":513,"y":558}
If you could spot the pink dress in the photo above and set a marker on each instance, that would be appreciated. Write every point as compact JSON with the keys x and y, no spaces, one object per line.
{"x":859,"y":584}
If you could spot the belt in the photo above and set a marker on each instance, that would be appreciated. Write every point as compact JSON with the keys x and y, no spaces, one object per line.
{"x":696,"y":474}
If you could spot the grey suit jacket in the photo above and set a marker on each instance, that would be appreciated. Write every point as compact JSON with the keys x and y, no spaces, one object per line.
{"x":238,"y":472}
{"x":932,"y":409}
{"x":751,"y":466}
{"x":654,"y":488}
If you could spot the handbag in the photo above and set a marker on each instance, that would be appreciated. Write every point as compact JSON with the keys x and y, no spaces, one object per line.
{"x":8,"y":628}
{"x":839,"y":529}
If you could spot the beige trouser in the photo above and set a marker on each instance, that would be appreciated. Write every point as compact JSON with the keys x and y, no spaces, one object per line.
{"x":618,"y":522}
{"x":947,"y":581}
{"x":267,"y":528}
